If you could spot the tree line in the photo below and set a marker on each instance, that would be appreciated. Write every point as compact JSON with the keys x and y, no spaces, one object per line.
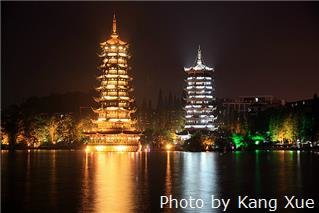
{"x":45,"y":123}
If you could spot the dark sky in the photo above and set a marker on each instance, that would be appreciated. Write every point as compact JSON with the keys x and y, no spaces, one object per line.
{"x":256,"y":48}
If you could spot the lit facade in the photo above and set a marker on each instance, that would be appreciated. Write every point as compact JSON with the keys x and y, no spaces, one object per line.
{"x":200,"y":97}
{"x":114,"y":128}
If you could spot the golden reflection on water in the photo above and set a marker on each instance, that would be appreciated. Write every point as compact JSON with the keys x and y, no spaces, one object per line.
{"x":53,"y":178}
{"x":111,"y":182}
{"x":66,"y":181}
{"x":168,"y":178}
{"x":145,"y":167}
{"x":28,"y":175}
{"x":282,"y":167}
{"x":85,"y":184}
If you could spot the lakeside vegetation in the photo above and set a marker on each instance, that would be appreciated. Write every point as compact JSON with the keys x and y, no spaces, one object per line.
{"x":57,"y":122}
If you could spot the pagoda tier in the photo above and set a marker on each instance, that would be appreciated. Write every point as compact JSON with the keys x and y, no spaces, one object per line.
{"x":200,"y":97}
{"x":114,"y":126}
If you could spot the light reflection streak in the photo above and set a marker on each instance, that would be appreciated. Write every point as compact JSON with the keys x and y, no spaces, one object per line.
{"x":168,"y":177}
{"x":53,"y":179}
{"x":199,"y":175}
{"x":113,"y":183}
{"x":85,"y":183}
{"x":282,"y":176}
{"x":28,"y":176}
{"x":299,"y":178}
{"x":145,"y":167}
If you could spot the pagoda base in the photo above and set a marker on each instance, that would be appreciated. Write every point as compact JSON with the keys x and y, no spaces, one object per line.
{"x":112,"y":148}
{"x":121,"y":142}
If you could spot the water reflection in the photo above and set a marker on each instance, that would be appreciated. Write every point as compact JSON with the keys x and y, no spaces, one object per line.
{"x":53,"y":176}
{"x":66,"y":181}
{"x":257,"y":171}
{"x":168,"y":177}
{"x":112,"y":182}
{"x":199,"y":177}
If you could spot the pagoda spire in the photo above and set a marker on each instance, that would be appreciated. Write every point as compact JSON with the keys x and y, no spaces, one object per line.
{"x":199,"y":56}
{"x":114,"y":33}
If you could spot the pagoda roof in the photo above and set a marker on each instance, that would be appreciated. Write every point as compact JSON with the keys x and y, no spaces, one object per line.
{"x":114,"y":36}
{"x":116,"y":41}
{"x":199,"y":64}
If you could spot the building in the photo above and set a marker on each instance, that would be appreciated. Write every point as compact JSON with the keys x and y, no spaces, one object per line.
{"x":114,"y":128}
{"x":233,"y":109}
{"x":200,"y":97}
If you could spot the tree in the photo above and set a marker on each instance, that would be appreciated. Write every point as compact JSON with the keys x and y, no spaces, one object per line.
{"x":10,"y":120}
{"x":52,"y":128}
{"x":195,"y":143}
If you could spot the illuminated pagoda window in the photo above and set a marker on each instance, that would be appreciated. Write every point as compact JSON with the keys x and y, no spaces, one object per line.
{"x":200,"y":97}
{"x":114,"y":128}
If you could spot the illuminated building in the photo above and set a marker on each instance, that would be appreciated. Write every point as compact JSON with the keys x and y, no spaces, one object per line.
{"x":114,"y":128}
{"x":200,"y":97}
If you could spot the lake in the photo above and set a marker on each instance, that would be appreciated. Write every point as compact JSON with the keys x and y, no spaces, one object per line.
{"x":76,"y":181}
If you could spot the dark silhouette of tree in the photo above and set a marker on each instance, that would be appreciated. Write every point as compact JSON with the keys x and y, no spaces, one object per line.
{"x":10,"y":122}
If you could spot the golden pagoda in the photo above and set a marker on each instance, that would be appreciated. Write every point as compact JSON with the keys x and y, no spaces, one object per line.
{"x":114,"y":128}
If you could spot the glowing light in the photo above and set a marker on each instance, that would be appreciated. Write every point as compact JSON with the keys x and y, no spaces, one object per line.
{"x":110,"y":97}
{"x":168,"y":146}
{"x":100,"y":148}
{"x":111,"y":54}
{"x":147,"y":148}
{"x":120,"y":148}
{"x":257,"y":138}
{"x":119,"y":119}
{"x":87,"y":149}
{"x":198,"y":126}
{"x":238,"y":140}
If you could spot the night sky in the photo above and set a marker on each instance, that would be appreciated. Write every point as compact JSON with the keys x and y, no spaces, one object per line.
{"x":263,"y":48}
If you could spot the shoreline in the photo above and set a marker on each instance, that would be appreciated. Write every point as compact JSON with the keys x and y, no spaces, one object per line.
{"x":316,"y":149}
